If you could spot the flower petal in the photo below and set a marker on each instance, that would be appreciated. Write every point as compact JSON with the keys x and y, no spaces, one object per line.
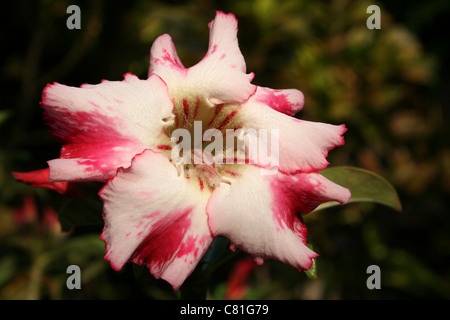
{"x":163,"y":55}
{"x":287,"y":101}
{"x":104,"y":126}
{"x":220,"y":77}
{"x":152,"y":216}
{"x":300,"y":146}
{"x":259,"y":213}
{"x":222,"y":71}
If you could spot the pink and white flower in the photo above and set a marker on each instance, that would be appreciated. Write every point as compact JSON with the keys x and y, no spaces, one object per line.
{"x":164,"y":214}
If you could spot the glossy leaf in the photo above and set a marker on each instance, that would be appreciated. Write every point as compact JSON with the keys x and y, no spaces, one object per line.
{"x":365,"y":186}
{"x":311,"y":273}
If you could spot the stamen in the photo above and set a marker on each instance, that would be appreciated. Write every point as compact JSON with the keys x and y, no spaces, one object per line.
{"x":180,"y":168}
{"x":207,"y":170}
{"x":170,"y":120}
{"x":225,"y":180}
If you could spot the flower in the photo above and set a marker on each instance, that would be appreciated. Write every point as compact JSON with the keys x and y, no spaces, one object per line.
{"x":28,"y":214}
{"x":166,"y":213}
{"x":237,"y":286}
{"x":40,"y":179}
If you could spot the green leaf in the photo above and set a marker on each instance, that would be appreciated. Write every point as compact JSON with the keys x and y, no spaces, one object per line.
{"x":77,"y":212}
{"x":311,"y":273}
{"x":365,"y":186}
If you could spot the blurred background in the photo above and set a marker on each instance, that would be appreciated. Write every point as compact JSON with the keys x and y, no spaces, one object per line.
{"x":389,"y":86}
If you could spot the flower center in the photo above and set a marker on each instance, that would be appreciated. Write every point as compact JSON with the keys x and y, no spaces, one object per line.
{"x":205,"y":143}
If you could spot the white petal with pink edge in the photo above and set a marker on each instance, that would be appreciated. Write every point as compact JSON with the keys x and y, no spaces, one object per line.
{"x":220,"y":77}
{"x":260,"y":214}
{"x":163,"y":55}
{"x":154,"y":217}
{"x":104,"y":126}
{"x":303,"y":146}
{"x":287,"y":101}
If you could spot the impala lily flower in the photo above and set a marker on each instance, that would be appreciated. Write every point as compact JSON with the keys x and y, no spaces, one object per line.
{"x":164,"y":213}
{"x":237,"y":286}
